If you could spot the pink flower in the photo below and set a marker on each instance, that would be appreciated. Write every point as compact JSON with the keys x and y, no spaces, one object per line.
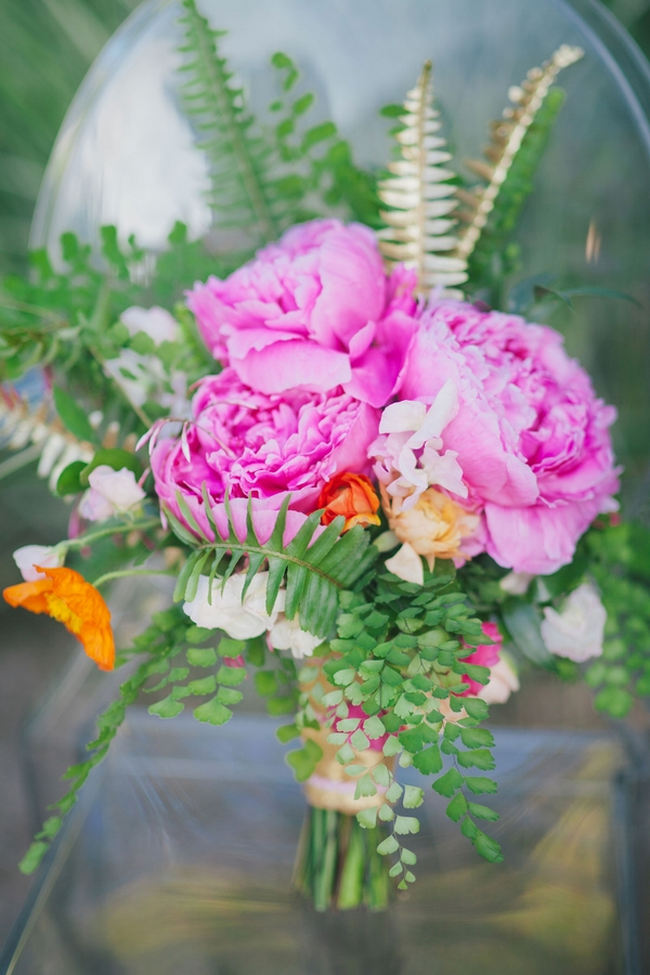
{"x":315,"y":310}
{"x":530,"y":435}
{"x":247,"y":443}
{"x":484,"y":655}
{"x":356,"y":711}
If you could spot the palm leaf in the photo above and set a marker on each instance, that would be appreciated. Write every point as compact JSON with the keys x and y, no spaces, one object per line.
{"x":315,"y":566}
{"x":507,"y":142}
{"x":420,"y":199}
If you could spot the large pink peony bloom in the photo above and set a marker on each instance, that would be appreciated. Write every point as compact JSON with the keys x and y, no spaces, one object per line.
{"x":531,"y":437}
{"x":249,"y":444}
{"x":316,"y":310}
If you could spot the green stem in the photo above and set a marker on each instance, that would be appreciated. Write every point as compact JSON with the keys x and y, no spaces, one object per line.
{"x":352,"y":874}
{"x":125,"y":573}
{"x":82,"y":540}
{"x":338,"y":864}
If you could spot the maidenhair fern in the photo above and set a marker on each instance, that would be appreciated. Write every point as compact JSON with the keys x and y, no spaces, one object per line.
{"x":488,"y":210}
{"x":419,"y":198}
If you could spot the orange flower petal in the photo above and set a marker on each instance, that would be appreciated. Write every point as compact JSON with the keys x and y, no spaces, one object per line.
{"x":66,"y":596}
{"x":350,"y":495}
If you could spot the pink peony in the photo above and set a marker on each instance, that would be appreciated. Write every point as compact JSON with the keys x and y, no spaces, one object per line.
{"x":315,"y":310}
{"x":247,"y":443}
{"x":530,"y":435}
{"x":484,"y":655}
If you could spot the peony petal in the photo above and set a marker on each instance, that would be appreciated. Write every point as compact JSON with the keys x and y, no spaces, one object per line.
{"x":287,"y":364}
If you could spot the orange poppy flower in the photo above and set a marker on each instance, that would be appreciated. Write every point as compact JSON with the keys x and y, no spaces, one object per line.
{"x":350,"y":495}
{"x":65,"y":595}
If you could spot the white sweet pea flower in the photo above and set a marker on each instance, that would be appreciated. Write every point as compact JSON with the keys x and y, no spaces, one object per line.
{"x":29,"y":556}
{"x":577,"y":630}
{"x":503,"y":681}
{"x":226,"y":611}
{"x":516,"y":583}
{"x":287,"y":634}
{"x":111,"y":492}
{"x":155,"y":322}
{"x":409,"y":449}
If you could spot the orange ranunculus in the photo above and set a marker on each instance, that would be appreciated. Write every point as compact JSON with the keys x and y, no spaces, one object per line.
{"x":350,"y":495}
{"x":65,"y":595}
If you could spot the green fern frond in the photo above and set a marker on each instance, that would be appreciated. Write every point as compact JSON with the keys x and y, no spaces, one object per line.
{"x":419,"y":229}
{"x":315,"y":567}
{"x":235,"y":154}
{"x":514,"y":149}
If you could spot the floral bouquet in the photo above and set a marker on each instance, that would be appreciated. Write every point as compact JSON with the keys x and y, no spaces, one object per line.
{"x":376,"y":492}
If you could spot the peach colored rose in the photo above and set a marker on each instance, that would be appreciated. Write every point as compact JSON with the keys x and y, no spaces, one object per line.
{"x":435,"y":527}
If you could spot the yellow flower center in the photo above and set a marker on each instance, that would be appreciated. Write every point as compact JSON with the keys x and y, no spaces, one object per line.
{"x":60,"y":610}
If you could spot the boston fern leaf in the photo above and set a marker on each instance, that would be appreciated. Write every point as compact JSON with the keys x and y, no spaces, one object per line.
{"x":236,"y":156}
{"x":420,"y":199}
{"x":516,"y":143}
{"x":315,"y":566}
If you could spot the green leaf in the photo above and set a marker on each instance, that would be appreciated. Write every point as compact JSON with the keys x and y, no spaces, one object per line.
{"x":69,"y":479}
{"x":406,"y":824}
{"x":476,"y":758}
{"x":428,"y":761}
{"x":388,"y":846}
{"x":413,"y":796}
{"x":479,"y":784}
{"x":167,"y":708}
{"x":367,"y":818}
{"x":487,"y":847}
{"x":614,"y":700}
{"x":33,"y":857}
{"x":523,"y":623}
{"x":476,"y":737}
{"x":457,"y":808}
{"x":213,"y":712}
{"x":266,"y":682}
{"x":482,"y":812}
{"x":229,"y":695}
{"x":72,"y":415}
{"x":304,"y":760}
{"x":287,"y":733}
{"x":201,"y":656}
{"x":449,"y":783}
{"x":231,"y":676}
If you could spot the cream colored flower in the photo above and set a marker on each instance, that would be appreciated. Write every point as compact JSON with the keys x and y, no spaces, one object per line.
{"x":435,"y":527}
{"x":503,"y":681}
{"x":226,"y":611}
{"x":577,"y":630}
{"x":288,"y":635}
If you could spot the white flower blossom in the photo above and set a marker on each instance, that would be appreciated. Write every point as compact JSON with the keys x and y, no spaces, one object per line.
{"x":409,"y":449}
{"x":577,"y":630}
{"x":287,"y":634}
{"x":29,"y":556}
{"x":111,"y":492}
{"x":155,"y":322}
{"x":226,"y":611}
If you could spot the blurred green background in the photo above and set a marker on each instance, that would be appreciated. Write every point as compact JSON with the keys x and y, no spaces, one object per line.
{"x":46,"y":46}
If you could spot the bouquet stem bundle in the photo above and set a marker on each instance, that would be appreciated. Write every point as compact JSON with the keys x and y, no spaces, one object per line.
{"x":337,"y":863}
